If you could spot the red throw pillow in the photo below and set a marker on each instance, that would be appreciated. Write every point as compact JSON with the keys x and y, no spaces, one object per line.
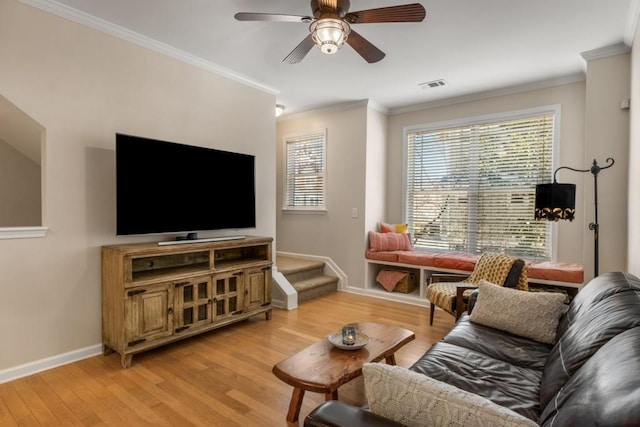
{"x":389,"y":241}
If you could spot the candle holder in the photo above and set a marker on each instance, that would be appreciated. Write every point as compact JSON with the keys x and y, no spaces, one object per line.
{"x":348,"y":334}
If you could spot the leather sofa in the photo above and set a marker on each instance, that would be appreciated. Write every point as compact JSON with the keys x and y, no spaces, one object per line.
{"x":589,"y":376}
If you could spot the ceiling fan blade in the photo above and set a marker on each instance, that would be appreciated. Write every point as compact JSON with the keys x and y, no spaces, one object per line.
{"x":300,"y":51}
{"x":414,"y":12}
{"x":273,"y":17}
{"x":369,"y":52}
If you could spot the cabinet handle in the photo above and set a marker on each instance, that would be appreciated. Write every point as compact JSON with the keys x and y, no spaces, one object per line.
{"x":136,"y":292}
{"x":170,"y":311}
{"x":209,"y":302}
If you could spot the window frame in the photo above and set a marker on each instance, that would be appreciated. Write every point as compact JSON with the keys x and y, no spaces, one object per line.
{"x":287,"y":139}
{"x":555,"y":109}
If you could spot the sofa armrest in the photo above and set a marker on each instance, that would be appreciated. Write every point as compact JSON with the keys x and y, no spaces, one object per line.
{"x":334,"y":413}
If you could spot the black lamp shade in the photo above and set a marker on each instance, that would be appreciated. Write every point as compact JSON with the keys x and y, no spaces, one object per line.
{"x":555,"y":201}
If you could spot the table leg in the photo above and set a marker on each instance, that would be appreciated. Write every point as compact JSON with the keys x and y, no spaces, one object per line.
{"x":391,"y":360}
{"x":333,"y":395}
{"x":295,"y":405}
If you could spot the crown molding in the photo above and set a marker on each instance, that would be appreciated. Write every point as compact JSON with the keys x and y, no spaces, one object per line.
{"x":334,"y":108}
{"x":542,"y":84}
{"x":605,"y":52}
{"x":106,"y":27}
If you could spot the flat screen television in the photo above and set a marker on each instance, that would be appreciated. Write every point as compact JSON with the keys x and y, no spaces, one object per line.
{"x":166,"y":187}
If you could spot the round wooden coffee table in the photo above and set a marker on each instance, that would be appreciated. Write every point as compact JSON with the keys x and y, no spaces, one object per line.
{"x":322,"y":368}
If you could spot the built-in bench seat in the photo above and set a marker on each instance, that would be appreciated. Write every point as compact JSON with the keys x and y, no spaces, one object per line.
{"x":552,"y":273}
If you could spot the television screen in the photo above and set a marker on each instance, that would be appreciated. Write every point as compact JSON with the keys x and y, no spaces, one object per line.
{"x":165,"y":187}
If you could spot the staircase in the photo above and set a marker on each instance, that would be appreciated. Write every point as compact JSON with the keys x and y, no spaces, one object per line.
{"x":307,"y":277}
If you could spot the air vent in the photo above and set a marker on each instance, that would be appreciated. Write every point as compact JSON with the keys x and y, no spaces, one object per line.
{"x":432,"y":84}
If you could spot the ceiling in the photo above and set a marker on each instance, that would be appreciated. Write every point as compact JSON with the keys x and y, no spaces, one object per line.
{"x":474,"y":46}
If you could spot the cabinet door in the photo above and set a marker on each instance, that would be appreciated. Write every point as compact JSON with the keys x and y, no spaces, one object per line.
{"x":192,"y":303}
{"x":228,"y":294}
{"x":148,"y":313}
{"x":257,"y":288}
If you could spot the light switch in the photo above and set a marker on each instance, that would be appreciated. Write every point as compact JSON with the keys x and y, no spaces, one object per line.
{"x":354,"y":212}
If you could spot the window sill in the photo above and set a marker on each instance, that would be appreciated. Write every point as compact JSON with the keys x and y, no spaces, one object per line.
{"x":305,"y":211}
{"x":22,"y":232}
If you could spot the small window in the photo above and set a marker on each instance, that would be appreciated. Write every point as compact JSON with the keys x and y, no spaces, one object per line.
{"x":305,"y":166}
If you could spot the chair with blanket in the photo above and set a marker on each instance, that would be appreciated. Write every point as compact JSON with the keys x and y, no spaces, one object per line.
{"x":496,"y":268}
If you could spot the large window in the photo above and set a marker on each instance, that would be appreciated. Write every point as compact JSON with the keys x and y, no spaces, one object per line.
{"x":470,"y":186}
{"x":305,"y":165}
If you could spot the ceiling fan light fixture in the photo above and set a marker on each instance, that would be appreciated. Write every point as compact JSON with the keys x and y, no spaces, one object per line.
{"x":329,"y":34}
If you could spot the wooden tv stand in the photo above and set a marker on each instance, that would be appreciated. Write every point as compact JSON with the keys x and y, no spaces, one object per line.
{"x":154,"y":294}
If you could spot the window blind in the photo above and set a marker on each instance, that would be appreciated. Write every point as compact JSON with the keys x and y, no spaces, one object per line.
{"x":472,"y":187}
{"x":305,"y":172}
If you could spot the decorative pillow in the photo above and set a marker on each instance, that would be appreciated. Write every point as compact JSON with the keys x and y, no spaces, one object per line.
{"x":414,"y":399}
{"x":393,"y":228}
{"x":513,"y":278}
{"x":494,"y":267}
{"x":389,"y":241}
{"x":533,"y":315}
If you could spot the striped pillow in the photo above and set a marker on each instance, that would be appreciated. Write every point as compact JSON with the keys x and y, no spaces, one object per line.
{"x":389,"y":241}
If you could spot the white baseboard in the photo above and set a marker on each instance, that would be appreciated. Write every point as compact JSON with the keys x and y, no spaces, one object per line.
{"x":49,"y":363}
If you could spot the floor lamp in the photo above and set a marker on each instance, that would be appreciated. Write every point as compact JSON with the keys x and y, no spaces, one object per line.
{"x":558,"y":201}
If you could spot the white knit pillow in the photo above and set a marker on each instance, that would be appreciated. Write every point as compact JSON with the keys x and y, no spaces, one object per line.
{"x":414,"y":399}
{"x":533,"y":315}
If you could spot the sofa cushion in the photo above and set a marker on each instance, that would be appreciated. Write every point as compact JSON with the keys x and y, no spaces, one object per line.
{"x":456,"y":261}
{"x":605,"y":391}
{"x":389,"y":241}
{"x":414,"y":399}
{"x":498,"y":344}
{"x":532,"y":315}
{"x":514,"y":387}
{"x":608,"y":305}
{"x":417,"y":257}
{"x":556,"y":271}
{"x":388,"y":256}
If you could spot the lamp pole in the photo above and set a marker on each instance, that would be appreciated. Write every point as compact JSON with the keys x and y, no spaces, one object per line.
{"x":594,"y":226}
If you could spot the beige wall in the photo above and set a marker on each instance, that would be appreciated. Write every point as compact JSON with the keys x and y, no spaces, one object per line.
{"x":633,"y":257}
{"x":376,"y":171}
{"x":335,"y":233}
{"x":20,"y":195}
{"x":606,"y":135}
{"x":84,"y":86}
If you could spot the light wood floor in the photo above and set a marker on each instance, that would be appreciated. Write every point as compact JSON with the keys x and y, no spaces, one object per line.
{"x":221,"y":378}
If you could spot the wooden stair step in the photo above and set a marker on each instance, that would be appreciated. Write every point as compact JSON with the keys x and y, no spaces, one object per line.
{"x":315,"y":287}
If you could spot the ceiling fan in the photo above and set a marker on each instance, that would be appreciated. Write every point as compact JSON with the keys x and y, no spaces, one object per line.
{"x":331,"y":23}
